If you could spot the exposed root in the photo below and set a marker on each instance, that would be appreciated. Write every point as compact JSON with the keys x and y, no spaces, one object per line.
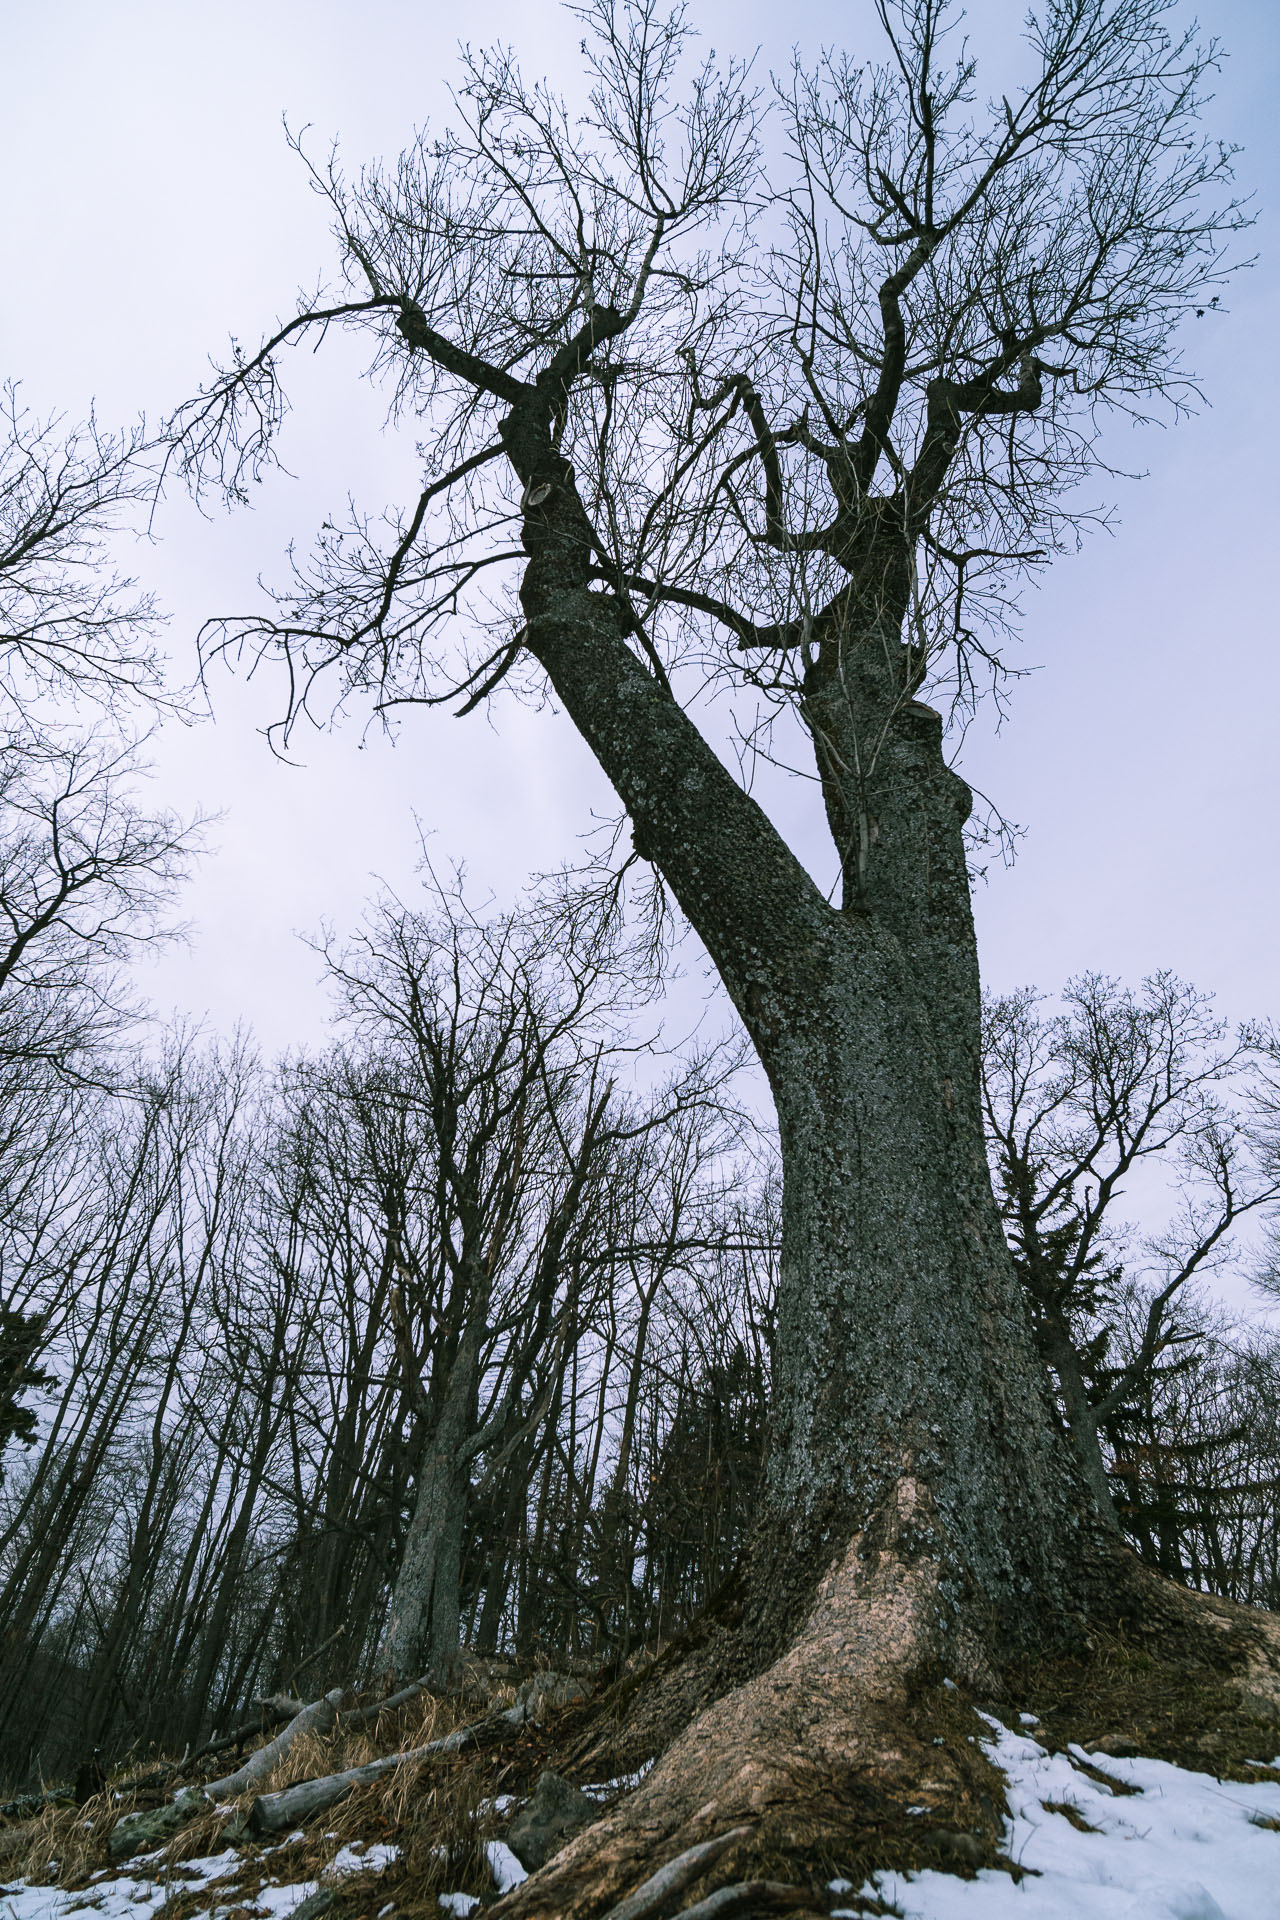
{"x":832,"y":1740}
{"x":672,"y":1879}
{"x":754,"y":1896}
{"x":855,"y":1748}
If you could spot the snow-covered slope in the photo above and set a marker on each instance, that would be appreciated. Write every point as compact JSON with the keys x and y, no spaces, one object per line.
{"x":1183,"y":1847}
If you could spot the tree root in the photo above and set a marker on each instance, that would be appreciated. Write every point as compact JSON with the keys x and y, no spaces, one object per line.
{"x":753,"y":1896}
{"x":857,"y":1747}
{"x":826,"y":1738}
{"x":672,"y":1879}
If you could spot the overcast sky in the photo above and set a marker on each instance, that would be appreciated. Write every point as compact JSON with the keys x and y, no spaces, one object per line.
{"x":151,"y":207}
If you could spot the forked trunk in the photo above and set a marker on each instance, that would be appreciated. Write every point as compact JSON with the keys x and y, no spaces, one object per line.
{"x":923,"y":1516}
{"x":904,"y":1346}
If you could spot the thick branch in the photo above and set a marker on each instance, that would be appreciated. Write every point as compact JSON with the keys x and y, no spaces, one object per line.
{"x":414,"y":328}
{"x":732,"y":872}
{"x":948,"y":402}
{"x":782,"y":633}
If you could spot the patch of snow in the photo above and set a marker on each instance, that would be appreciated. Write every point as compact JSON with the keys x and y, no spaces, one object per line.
{"x":135,"y":1896}
{"x":117,"y":1900}
{"x":277,"y":1901}
{"x":214,"y":1866}
{"x":503,"y":1865}
{"x":1183,"y":1846}
{"x":460,"y":1904}
{"x":502,"y":1803}
{"x":374,"y":1859}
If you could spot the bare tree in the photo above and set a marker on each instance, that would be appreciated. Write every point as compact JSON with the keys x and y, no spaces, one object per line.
{"x":70,"y":624}
{"x":1079,"y":1101}
{"x":1197,"y":1455}
{"x":313,"y":1336}
{"x":493,"y":1128}
{"x":86,"y":875}
{"x":789,"y":429}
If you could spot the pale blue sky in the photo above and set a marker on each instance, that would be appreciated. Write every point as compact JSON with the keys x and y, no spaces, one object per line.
{"x":151,"y":207}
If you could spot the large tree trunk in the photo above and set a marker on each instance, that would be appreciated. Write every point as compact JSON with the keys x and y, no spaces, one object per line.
{"x":923,"y":1515}
{"x":903,"y":1347}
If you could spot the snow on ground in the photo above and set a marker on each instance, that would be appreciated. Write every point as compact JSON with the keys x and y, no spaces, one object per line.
{"x":133,"y":1896}
{"x":1183,"y":1847}
{"x":137,"y":1895}
{"x":375,"y":1859}
{"x":143,"y":1889}
{"x":503,"y":1865}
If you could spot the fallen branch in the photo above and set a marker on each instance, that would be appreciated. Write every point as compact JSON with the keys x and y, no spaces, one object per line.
{"x":360,"y":1716}
{"x":674,"y":1877}
{"x":319,"y":1717}
{"x":271,"y":1711}
{"x":139,"y":1832}
{"x":272,"y":1812}
{"x":281,"y":1706}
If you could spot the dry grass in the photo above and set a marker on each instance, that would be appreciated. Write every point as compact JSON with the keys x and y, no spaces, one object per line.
{"x":61,"y":1846}
{"x":1071,"y":1812}
{"x":65,"y":1846}
{"x":1140,"y":1699}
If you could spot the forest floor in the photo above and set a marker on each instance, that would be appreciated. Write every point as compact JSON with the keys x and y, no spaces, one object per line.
{"x":1088,"y":1830}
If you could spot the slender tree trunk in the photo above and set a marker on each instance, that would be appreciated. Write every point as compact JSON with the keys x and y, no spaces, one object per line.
{"x":425,"y":1611}
{"x":1081,"y":1418}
